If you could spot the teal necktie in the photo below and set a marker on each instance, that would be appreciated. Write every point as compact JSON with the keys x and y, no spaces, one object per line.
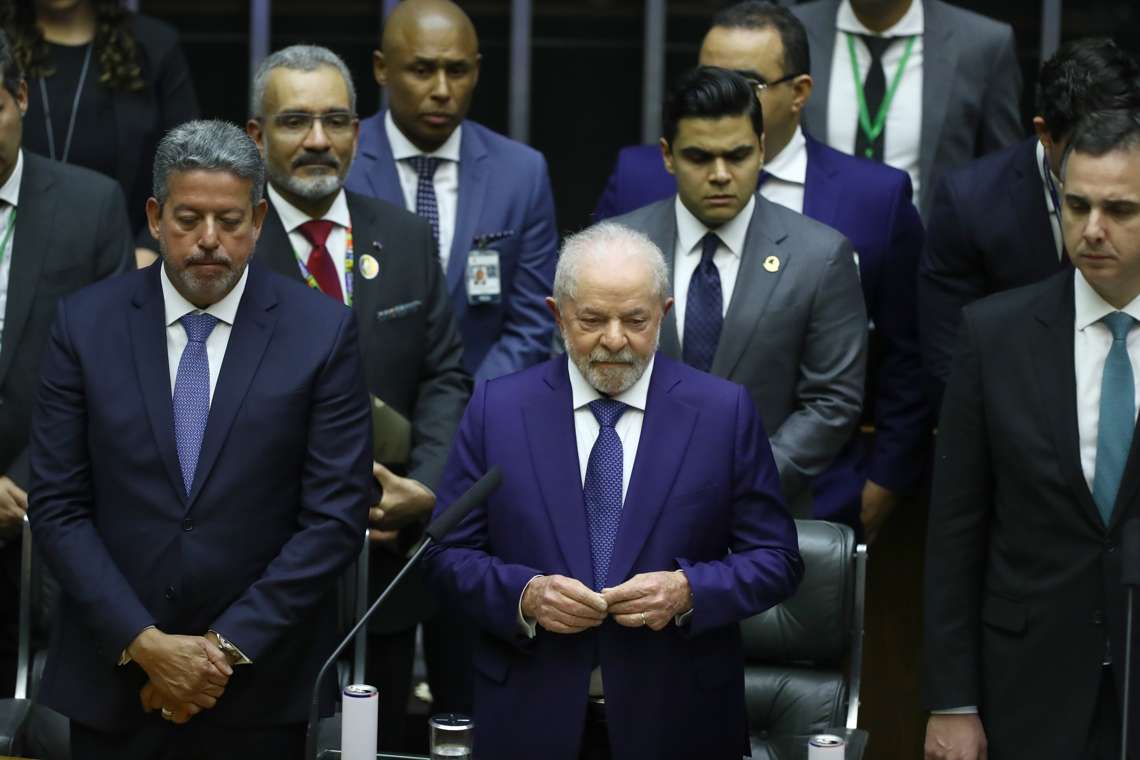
{"x":1117,"y":415}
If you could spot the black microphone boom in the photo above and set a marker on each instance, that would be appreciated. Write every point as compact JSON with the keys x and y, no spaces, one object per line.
{"x":436,"y":531}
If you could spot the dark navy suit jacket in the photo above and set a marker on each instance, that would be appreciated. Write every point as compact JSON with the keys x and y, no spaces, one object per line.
{"x":871,"y":205}
{"x":704,"y":496}
{"x":503,"y":188}
{"x":277,"y":510}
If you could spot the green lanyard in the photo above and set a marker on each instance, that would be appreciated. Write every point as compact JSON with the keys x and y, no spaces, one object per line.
{"x":7,"y":235}
{"x":872,"y":131}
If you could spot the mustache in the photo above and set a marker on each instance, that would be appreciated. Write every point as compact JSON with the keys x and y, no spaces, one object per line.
{"x":209,"y":257}
{"x":601,"y":354}
{"x":309,"y":158}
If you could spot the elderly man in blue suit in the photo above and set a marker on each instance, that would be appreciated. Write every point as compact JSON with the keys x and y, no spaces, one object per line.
{"x":201,"y":474}
{"x":639,"y":520}
{"x":488,"y":198}
{"x":870,"y":204}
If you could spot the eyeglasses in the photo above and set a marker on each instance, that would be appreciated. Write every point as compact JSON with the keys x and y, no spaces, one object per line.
{"x":759,"y":83}
{"x":300,"y":122}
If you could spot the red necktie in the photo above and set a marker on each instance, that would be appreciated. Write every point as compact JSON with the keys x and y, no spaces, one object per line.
{"x":320,"y":263}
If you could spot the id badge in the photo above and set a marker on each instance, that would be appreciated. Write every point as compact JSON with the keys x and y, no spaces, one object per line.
{"x":483,"y":281}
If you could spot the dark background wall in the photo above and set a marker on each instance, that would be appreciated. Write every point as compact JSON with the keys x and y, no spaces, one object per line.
{"x":586,"y":72}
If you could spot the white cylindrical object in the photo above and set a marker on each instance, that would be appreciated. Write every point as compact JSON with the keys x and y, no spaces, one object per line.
{"x":827,"y":747}
{"x":358,"y":722}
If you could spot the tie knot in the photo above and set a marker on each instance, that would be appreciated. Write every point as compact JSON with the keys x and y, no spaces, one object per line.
{"x":607,"y":411}
{"x":709,"y":244}
{"x":425,"y":166}
{"x":1119,"y":324}
{"x":316,"y":231}
{"x":198,"y":326}
{"x":876,"y":45}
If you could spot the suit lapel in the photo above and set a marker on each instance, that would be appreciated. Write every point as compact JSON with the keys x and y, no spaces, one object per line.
{"x":148,"y":346}
{"x":275,"y":247}
{"x":549,"y":425}
{"x":472,"y":188}
{"x":939,"y":66}
{"x":31,"y":245}
{"x":821,"y":191}
{"x":380,"y":173}
{"x":253,"y":326}
{"x":368,"y":238}
{"x":754,"y":286}
{"x":1027,"y":196}
{"x":823,"y":35}
{"x":665,"y":434}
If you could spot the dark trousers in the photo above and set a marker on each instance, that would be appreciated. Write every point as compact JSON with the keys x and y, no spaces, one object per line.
{"x":595,"y":735}
{"x":196,"y":740}
{"x":1104,"y":733}
{"x":388,"y":667}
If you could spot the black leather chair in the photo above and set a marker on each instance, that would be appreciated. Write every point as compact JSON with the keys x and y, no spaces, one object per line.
{"x":803,"y":658}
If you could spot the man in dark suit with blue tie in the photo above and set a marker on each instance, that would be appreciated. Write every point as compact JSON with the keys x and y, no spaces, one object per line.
{"x":488,"y":198}
{"x":866,"y":201}
{"x":995,"y":223}
{"x":201,"y":474}
{"x":638,"y":521}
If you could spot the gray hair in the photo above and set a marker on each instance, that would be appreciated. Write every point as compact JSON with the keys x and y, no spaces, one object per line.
{"x":210,"y":146}
{"x":298,"y":58}
{"x":607,"y":239}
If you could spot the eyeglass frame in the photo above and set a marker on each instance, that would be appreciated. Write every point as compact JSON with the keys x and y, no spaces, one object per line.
{"x":760,"y":85}
{"x":313,"y":118}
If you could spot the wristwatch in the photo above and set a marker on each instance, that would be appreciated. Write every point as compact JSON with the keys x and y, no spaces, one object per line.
{"x":232,"y":653}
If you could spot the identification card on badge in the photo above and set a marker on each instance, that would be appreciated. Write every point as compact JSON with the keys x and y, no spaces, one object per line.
{"x":484,"y":284}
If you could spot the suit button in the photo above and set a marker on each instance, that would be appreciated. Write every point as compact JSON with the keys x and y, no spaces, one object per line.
{"x":1097,"y":617}
{"x":1109,"y":546}
{"x":188,"y":524}
{"x":169,"y":592}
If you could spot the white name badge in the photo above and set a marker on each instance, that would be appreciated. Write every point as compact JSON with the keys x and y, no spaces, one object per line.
{"x":484,"y":284}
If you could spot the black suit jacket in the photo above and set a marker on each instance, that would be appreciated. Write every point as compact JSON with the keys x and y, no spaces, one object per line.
{"x":1023,"y":576}
{"x":71,"y":230}
{"x":988,"y":231}
{"x":413,"y":355}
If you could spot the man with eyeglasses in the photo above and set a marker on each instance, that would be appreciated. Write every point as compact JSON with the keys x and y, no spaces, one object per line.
{"x":379,"y":260}
{"x":870,"y":204}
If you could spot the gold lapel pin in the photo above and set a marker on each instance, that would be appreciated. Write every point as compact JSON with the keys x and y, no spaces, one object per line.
{"x":772,"y":264}
{"x":369,"y":267}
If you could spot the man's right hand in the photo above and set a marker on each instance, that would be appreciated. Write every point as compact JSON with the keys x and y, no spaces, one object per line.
{"x":13,"y":506}
{"x":188,"y":669}
{"x":955,"y":737}
{"x":562,"y":605}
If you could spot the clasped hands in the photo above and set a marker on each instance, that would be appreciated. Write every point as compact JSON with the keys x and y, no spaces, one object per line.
{"x":565,"y":605}
{"x":187,"y":674}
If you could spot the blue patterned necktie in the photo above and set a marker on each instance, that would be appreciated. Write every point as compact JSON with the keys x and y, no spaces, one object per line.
{"x":703,"y":313}
{"x":426,"y":207}
{"x":1117,"y":416}
{"x":192,"y":394}
{"x":602,"y":489}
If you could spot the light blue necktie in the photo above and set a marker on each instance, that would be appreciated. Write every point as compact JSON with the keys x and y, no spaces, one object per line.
{"x":602,"y":487}
{"x":192,"y":394}
{"x":1117,"y":415}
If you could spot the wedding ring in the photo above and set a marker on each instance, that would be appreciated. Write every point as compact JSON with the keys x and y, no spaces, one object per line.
{"x":167,"y":714}
{"x":643,"y":619}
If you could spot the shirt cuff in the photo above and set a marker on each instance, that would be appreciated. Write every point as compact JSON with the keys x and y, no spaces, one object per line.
{"x":125,"y":656}
{"x":967,"y":710}
{"x":526,"y":627}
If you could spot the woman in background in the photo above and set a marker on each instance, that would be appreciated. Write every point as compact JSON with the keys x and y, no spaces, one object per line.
{"x":104,"y":86}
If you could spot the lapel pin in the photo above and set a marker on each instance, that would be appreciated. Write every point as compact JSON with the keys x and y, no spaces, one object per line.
{"x":772,"y":264}
{"x":369,"y":267}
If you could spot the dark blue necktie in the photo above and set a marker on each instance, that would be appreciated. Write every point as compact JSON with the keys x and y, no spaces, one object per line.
{"x":602,"y":488}
{"x":1117,"y":415}
{"x":192,"y":393}
{"x":426,"y":207}
{"x":703,"y":313}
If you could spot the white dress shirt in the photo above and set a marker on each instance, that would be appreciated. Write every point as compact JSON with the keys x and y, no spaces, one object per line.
{"x":337,"y":243}
{"x":177,"y":307}
{"x":445,"y":181}
{"x":901,"y":146}
{"x":687,"y":255}
{"x":1054,"y":212}
{"x":1091,"y":341}
{"x":10,"y":194}
{"x":787,"y":172}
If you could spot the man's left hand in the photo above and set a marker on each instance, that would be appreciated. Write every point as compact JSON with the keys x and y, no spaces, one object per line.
{"x":154,"y":699}
{"x":649,"y":599}
{"x":878,"y":503}
{"x":404,"y":500}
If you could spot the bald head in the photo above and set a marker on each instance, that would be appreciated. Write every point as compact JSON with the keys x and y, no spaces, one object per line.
{"x":429,"y":63}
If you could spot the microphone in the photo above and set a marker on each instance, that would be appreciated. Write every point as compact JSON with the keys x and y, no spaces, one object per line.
{"x":1130,"y":577}
{"x":436,"y":532}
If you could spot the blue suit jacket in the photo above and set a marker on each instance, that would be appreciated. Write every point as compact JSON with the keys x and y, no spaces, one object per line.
{"x":704,"y":482}
{"x":871,"y":205}
{"x":277,"y":510}
{"x":503,"y":188}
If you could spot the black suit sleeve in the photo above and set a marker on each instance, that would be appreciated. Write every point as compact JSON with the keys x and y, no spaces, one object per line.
{"x":957,"y":536}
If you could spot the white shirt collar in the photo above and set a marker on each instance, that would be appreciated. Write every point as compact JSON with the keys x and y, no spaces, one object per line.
{"x":1091,"y":308}
{"x":1041,"y":163}
{"x":292,"y":217}
{"x":790,"y":164}
{"x":583,"y":393}
{"x":913,"y":21}
{"x":10,"y":192}
{"x":403,"y":148}
{"x":690,"y":230}
{"x":177,"y":306}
